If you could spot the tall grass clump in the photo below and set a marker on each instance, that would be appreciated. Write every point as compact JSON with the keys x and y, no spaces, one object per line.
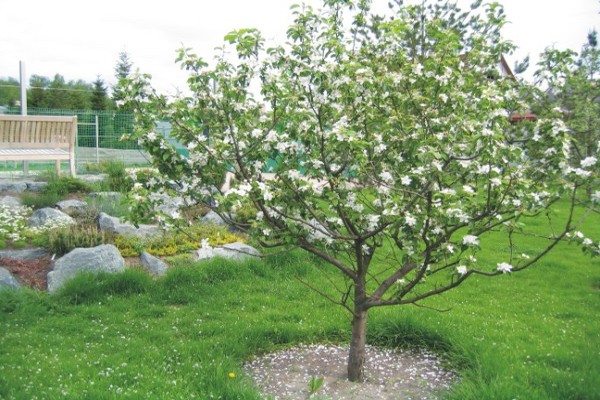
{"x":90,"y":287}
{"x":57,"y":188}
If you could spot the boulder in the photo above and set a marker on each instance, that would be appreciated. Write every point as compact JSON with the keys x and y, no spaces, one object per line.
{"x":17,"y":187}
{"x":71,"y":205}
{"x":93,"y":178}
{"x":103,"y":258}
{"x":36,"y":186}
{"x":236,"y":251}
{"x":153,"y":264}
{"x":107,"y":195}
{"x":233,"y":251}
{"x":49,"y":216}
{"x":109,"y":224}
{"x":169,"y":205}
{"x":212,"y":218}
{"x":10,"y":201}
{"x":25,"y":254}
{"x":7,"y":280}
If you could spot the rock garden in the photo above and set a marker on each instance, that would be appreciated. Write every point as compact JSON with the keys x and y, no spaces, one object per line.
{"x":52,"y":230}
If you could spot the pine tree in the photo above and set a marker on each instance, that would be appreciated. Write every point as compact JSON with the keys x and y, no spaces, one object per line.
{"x":122,"y":73}
{"x":99,"y":95}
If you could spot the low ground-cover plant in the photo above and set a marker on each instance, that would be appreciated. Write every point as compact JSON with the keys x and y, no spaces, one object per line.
{"x":175,"y":242}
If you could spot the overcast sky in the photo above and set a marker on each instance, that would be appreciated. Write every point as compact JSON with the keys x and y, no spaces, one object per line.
{"x":81,"y":39}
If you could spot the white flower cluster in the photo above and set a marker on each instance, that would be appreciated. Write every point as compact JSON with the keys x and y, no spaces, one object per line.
{"x":587,"y":243}
{"x":13,"y":221}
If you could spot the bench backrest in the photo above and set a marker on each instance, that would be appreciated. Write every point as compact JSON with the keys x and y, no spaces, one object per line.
{"x":35,"y":131}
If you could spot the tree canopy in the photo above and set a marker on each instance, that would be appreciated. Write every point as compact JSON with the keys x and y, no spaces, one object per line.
{"x":381,"y":144}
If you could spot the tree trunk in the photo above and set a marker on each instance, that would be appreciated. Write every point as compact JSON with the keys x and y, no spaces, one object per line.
{"x":356,"y":358}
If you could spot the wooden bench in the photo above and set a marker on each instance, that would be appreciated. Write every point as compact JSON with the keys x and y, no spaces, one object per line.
{"x":34,"y":137}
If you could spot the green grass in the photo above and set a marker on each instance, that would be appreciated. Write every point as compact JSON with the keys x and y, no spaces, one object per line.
{"x":531,"y":335}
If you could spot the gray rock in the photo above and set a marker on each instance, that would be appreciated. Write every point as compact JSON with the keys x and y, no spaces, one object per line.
{"x":47,"y":216}
{"x":71,"y":205}
{"x":153,"y":264}
{"x":107,"y":195}
{"x":18,"y":187}
{"x":36,"y":186}
{"x":232,"y":251}
{"x":109,"y":224}
{"x":103,"y":258}
{"x":213,"y":218}
{"x":7,"y":280}
{"x":169,"y":205}
{"x":10,"y":201}
{"x":236,"y":251}
{"x":26,"y":254}
{"x":93,"y":178}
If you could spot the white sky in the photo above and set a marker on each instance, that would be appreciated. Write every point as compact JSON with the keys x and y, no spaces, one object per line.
{"x":81,"y":40}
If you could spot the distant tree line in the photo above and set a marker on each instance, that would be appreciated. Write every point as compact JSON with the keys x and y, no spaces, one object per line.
{"x":57,"y":93}
{"x":44,"y":92}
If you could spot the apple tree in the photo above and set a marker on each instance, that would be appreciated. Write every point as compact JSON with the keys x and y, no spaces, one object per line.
{"x":379,"y":142}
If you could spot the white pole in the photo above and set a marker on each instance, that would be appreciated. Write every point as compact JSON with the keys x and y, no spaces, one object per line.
{"x":23,"y":78}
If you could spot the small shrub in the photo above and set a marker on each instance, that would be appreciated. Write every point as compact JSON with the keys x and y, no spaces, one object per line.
{"x":64,"y":185}
{"x":62,"y":240}
{"x":118,"y":180}
{"x":58,"y":188}
{"x":193,"y":212}
{"x":245,"y":214}
{"x":40,"y":199}
{"x":87,"y":216}
{"x":110,"y":205}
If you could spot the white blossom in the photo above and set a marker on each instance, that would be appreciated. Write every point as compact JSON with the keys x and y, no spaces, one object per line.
{"x":504,"y":268}
{"x":588,"y":162}
{"x":204,"y":244}
{"x":582,"y":172}
{"x":387,"y":177}
{"x":461,"y":270}
{"x":470,"y":240}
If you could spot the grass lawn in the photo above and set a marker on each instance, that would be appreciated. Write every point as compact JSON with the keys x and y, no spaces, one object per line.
{"x":531,"y":335}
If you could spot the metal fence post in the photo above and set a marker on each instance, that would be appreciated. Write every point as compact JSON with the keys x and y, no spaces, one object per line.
{"x":97,"y":139}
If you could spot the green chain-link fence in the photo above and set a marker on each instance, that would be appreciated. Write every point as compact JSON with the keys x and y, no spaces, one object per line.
{"x":99,"y":137}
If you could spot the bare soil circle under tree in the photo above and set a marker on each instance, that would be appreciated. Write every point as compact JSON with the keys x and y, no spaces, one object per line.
{"x":390,"y":374}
